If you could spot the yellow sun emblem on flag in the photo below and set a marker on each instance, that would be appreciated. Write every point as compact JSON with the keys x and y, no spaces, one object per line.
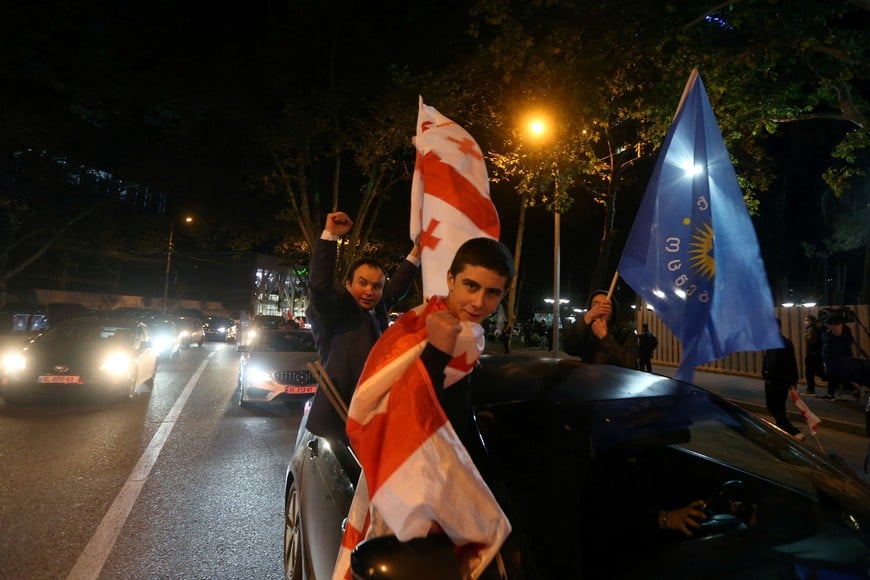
{"x":701,"y":252}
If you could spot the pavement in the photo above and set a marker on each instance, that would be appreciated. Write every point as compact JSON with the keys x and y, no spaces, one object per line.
{"x":846,"y":414}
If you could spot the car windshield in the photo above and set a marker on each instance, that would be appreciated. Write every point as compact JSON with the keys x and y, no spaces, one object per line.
{"x":87,"y":332}
{"x":584,"y":478}
{"x":285,"y":342}
{"x":162,"y":328}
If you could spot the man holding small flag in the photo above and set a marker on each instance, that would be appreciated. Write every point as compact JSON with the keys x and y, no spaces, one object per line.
{"x":411,"y":411}
{"x":692,"y":253}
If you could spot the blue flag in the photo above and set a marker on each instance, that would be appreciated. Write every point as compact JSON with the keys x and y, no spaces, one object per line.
{"x":692,"y":253}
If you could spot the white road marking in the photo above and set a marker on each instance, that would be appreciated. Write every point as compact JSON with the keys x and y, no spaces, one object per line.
{"x":93,"y":558}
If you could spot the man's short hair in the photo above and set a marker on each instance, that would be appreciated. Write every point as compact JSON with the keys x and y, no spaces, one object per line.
{"x":351,"y":270}
{"x":485,"y":253}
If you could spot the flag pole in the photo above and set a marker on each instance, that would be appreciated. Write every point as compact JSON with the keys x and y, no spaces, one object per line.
{"x":329,"y":389}
{"x":691,"y":81}
{"x":612,"y":285}
{"x":818,"y":442}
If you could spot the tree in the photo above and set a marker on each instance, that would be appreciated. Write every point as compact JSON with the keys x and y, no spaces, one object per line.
{"x":764,"y":64}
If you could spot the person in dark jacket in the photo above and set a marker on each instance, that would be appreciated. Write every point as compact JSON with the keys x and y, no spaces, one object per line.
{"x":780,"y":373}
{"x":813,"y":366}
{"x":506,"y":335}
{"x":646,"y":344}
{"x":346,"y":320}
{"x":596,"y":337}
{"x":837,"y":343}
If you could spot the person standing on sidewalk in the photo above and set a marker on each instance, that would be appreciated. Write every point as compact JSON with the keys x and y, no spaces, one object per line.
{"x":837,"y":343}
{"x":646,"y":344}
{"x":813,"y":366}
{"x":506,"y":332}
{"x":780,"y":373}
{"x":597,"y":338}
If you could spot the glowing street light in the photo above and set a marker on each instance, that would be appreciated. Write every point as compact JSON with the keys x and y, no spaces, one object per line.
{"x":538,"y":129}
{"x":187,"y":220}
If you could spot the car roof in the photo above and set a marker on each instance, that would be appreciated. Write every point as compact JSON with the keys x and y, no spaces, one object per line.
{"x":268,"y":331}
{"x":503,"y":379}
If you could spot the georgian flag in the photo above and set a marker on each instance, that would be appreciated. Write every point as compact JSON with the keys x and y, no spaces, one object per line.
{"x":811,"y":418}
{"x":450,"y":200}
{"x":417,"y":477}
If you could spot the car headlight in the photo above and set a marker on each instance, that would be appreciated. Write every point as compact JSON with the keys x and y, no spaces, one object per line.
{"x":183,"y":334}
{"x":116,"y":364}
{"x":162,"y":343}
{"x":256,"y":376}
{"x":14,"y":361}
{"x":221,"y":330}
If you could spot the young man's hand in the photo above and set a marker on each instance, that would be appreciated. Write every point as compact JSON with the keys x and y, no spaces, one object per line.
{"x":443,"y":328}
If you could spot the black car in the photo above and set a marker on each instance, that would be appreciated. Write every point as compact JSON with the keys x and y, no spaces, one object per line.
{"x":94,"y":355}
{"x":583,"y":459}
{"x":190,"y":331}
{"x":216,"y":328}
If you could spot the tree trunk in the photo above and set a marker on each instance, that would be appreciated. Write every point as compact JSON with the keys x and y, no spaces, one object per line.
{"x":518,"y":250}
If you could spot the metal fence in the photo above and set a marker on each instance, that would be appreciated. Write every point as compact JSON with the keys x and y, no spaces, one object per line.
{"x":669,"y":349}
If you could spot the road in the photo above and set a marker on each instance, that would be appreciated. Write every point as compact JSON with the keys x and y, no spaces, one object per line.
{"x":179,"y":482}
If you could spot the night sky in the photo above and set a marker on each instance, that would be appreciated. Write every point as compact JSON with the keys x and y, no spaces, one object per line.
{"x":181,"y":95}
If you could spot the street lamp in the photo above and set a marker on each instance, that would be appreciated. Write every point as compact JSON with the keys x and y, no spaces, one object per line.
{"x":169,"y":248}
{"x":538,"y":128}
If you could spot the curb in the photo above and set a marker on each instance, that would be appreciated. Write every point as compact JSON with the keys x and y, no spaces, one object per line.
{"x":833,"y":424}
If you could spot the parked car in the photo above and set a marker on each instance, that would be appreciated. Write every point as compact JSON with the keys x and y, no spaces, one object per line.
{"x":217,"y":328}
{"x":273,"y":367}
{"x":165,"y":338}
{"x":102,"y":355}
{"x":583,"y":459}
{"x":190,"y":331}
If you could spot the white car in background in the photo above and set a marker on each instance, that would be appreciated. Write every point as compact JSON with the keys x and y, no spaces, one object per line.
{"x":273,"y":367}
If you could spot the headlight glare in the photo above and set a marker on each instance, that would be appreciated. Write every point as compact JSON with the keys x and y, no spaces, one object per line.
{"x":14,"y":361}
{"x":116,"y":364}
{"x":257,"y":376}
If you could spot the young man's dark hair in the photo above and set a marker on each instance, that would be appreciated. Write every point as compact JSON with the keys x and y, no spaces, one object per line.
{"x":486,"y":253}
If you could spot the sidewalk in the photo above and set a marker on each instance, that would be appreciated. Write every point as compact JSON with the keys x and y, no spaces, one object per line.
{"x":845,"y":414}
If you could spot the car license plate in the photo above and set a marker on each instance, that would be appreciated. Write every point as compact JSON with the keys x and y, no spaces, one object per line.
{"x":300,"y":390}
{"x":66,"y":379}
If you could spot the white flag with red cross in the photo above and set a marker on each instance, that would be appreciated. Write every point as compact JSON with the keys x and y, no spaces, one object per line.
{"x":450,"y":201}
{"x":811,"y":418}
{"x":417,"y":478}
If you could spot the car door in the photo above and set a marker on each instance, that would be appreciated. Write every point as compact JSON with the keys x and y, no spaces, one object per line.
{"x":327,"y":490}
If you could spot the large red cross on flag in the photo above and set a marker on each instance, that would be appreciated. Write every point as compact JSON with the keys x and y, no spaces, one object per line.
{"x":450,"y":201}
{"x":417,"y":476}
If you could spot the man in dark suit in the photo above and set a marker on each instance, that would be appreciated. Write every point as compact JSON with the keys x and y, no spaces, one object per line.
{"x":347,"y":320}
